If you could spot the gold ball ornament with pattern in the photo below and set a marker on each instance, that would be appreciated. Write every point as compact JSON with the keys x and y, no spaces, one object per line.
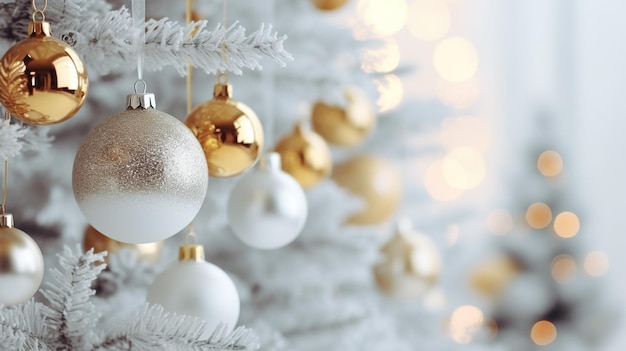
{"x":229,"y":131}
{"x":329,"y":5}
{"x":305,"y":156}
{"x":42,"y":79}
{"x":21,"y":263}
{"x":345,"y":126}
{"x":375,"y":180}
{"x":100,"y":242}
{"x":410,"y":264}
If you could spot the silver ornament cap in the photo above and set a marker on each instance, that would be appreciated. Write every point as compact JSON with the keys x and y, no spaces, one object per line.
{"x":6,"y":220}
{"x":142,"y":101}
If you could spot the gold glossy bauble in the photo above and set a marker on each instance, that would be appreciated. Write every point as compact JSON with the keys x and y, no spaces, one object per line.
{"x":329,"y":5}
{"x":410,"y":265}
{"x":230,"y":133}
{"x":100,"y":242}
{"x":344,"y":126}
{"x":375,"y":180}
{"x":305,"y":156}
{"x":42,"y":79}
{"x":491,"y":277}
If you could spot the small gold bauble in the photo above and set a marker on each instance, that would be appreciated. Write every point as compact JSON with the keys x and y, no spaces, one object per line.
{"x":230,"y":133}
{"x":344,"y":126}
{"x":329,"y":5}
{"x":42,"y":79}
{"x":100,"y":242}
{"x":410,"y":265}
{"x":491,"y":277}
{"x":375,"y":180}
{"x":305,"y":156}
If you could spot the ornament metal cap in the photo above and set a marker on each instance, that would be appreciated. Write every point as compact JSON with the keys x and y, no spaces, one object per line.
{"x":141,"y":101}
{"x":270,"y":161}
{"x":192,"y":252}
{"x":6,"y":220}
{"x":222,"y":91}
{"x":39,"y":29}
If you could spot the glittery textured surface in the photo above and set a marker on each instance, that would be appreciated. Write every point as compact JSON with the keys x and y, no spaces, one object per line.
{"x":140,"y":176}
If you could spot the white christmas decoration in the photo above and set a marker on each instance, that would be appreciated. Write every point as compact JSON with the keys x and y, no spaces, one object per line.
{"x":267,"y":209}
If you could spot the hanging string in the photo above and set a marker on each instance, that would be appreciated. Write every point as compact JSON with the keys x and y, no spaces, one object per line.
{"x":5,"y":189}
{"x":223,"y":76}
{"x":139,"y":22}
{"x":38,"y":11}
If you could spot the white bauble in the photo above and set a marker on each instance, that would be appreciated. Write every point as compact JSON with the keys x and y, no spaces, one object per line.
{"x":140,"y":176}
{"x":197,"y":288}
{"x":267,"y":209}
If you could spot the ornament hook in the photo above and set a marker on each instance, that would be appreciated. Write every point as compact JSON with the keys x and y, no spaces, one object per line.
{"x":38,"y":11}
{"x":139,"y":82}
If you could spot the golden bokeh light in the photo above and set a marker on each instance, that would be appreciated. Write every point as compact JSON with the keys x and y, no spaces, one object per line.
{"x":550,"y":163}
{"x":429,"y":20}
{"x":564,"y":268}
{"x":460,"y":95}
{"x":381,"y":59}
{"x":596,"y":263}
{"x":436,"y":185}
{"x":464,"y":323}
{"x":543,"y":333}
{"x":500,"y":222}
{"x":463,"y":168}
{"x":380,"y":18}
{"x":538,"y":215}
{"x":455,"y":59}
{"x":466,"y":131}
{"x":566,"y":224}
{"x":391,"y":92}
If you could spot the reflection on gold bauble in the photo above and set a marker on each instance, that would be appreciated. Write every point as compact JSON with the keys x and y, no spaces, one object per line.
{"x":329,"y":5}
{"x":230,"y":133}
{"x":42,"y":79}
{"x":344,"y":126}
{"x":100,"y":242}
{"x":305,"y":156}
{"x":492,"y":276}
{"x":410,"y":265}
{"x":375,"y":180}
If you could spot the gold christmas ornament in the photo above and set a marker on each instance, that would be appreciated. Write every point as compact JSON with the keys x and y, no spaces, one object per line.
{"x":410,"y":264}
{"x":491,"y":277}
{"x":305,"y":156}
{"x":344,"y":126}
{"x":42,"y":79}
{"x":100,"y":242}
{"x":230,"y":133}
{"x":329,"y":5}
{"x":375,"y":180}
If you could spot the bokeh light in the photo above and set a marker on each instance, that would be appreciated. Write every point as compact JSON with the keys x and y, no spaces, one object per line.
{"x":596,"y":263}
{"x":466,"y":131}
{"x":429,"y":20}
{"x":464,"y":323}
{"x":380,"y":18}
{"x":382,"y":59}
{"x":500,"y":222}
{"x":564,"y":268}
{"x":460,"y":95}
{"x":391,"y":92}
{"x":543,"y":333}
{"x":455,"y":59}
{"x":464,"y":168}
{"x":538,"y":215}
{"x":436,"y":185}
{"x":550,"y":163}
{"x":566,"y":224}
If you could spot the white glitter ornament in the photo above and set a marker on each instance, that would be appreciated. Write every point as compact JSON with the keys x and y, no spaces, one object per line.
{"x":140,"y":176}
{"x":197,"y":288}
{"x":267,"y":209}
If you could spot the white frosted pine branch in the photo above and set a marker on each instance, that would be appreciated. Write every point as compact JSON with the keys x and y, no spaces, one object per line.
{"x":23,"y":327}
{"x":16,"y":139}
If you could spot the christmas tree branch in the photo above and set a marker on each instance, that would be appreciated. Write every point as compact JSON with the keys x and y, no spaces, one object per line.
{"x":23,"y":327}
{"x":16,"y":139}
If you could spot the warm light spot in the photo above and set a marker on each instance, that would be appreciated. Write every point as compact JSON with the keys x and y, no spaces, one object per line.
{"x":460,"y":95}
{"x":382,"y":59}
{"x":391,"y":92}
{"x":429,"y":20}
{"x":380,"y":18}
{"x":453,"y":234}
{"x":455,"y":59}
{"x":436,"y":185}
{"x":500,"y":222}
{"x":543,"y":333}
{"x":564,"y":268}
{"x":465,"y":131}
{"x":464,"y":323}
{"x":464,"y":168}
{"x":550,"y":163}
{"x":596,"y":263}
{"x":566,"y":224}
{"x":538,"y":215}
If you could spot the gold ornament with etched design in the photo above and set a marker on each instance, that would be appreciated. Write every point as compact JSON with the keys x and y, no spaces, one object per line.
{"x":42,"y":79}
{"x":100,"y":242}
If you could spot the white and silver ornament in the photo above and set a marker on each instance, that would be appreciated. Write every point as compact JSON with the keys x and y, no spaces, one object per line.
{"x":140,"y":176}
{"x":267,"y":209}
{"x":197,"y":288}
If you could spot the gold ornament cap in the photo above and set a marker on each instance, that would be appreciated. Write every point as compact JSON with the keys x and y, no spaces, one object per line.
{"x":6,"y":220}
{"x":222,"y":91}
{"x":39,"y":29}
{"x":140,"y":101}
{"x":193,"y":252}
{"x":270,"y":161}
